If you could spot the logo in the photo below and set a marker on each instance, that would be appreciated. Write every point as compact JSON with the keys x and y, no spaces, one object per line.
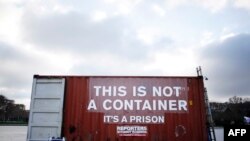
{"x":239,"y":132}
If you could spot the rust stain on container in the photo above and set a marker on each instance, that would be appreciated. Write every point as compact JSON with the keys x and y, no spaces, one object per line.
{"x":112,"y":109}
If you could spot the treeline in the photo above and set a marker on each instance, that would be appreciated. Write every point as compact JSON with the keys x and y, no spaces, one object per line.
{"x":231,"y":112}
{"x":11,"y":113}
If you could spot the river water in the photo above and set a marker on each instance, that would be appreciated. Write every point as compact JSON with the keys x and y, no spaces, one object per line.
{"x":13,"y":133}
{"x":219,"y":133}
{"x":19,"y":133}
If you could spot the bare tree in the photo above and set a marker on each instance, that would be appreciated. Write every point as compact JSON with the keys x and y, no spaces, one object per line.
{"x":246,"y":99}
{"x":235,"y":100}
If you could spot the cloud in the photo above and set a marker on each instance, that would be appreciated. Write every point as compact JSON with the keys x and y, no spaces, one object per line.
{"x":70,"y":31}
{"x":77,"y":33}
{"x":213,"y":5}
{"x":245,"y":4}
{"x":13,"y":65}
{"x":133,"y":37}
{"x":20,"y":63}
{"x":226,"y":63}
{"x":123,"y":7}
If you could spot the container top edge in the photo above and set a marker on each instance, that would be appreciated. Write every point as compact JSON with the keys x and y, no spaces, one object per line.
{"x":111,"y":76}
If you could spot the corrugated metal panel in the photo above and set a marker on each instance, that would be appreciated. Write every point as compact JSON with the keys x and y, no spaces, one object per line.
{"x":83,"y":125}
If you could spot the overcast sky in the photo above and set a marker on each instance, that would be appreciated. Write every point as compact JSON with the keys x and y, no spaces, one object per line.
{"x":129,"y":37}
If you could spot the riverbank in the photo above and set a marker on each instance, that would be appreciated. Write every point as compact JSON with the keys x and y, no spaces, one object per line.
{"x":13,"y":123}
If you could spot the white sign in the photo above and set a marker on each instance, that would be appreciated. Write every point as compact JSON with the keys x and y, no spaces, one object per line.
{"x":132,"y":130}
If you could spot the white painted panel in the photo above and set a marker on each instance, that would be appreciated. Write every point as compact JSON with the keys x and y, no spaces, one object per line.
{"x":48,"y":90}
{"x":45,"y":117}
{"x":46,"y":109}
{"x":43,"y":132}
{"x":44,"y":104}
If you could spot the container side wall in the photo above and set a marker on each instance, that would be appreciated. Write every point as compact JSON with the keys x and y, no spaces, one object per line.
{"x":83,"y":124}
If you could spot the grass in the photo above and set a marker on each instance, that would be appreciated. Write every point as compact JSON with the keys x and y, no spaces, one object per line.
{"x":10,"y":123}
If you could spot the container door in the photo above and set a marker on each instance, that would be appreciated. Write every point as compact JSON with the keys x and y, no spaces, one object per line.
{"x":46,"y":109}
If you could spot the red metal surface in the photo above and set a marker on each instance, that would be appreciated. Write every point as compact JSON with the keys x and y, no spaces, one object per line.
{"x":79,"y":124}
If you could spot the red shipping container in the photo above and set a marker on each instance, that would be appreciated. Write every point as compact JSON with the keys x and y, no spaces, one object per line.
{"x":133,"y":108}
